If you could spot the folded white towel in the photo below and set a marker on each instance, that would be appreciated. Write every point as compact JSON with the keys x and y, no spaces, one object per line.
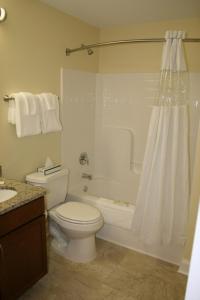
{"x":11,"y":112}
{"x":50,"y":121}
{"x":30,"y":106}
{"x":30,"y":103}
{"x":26,"y":124}
{"x":50,"y":100}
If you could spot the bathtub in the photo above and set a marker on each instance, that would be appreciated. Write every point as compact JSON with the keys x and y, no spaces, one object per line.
{"x":115,"y":212}
{"x":118,"y":214}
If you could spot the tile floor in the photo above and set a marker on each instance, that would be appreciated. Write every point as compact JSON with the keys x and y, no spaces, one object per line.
{"x":116,"y":274}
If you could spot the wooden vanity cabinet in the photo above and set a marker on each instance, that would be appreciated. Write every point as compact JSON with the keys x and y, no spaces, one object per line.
{"x":23,"y":254}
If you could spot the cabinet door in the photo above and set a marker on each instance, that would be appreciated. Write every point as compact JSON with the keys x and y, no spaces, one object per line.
{"x":23,"y":258}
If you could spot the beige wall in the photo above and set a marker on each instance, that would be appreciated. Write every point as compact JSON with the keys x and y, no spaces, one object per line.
{"x":32,"y":51}
{"x":145,"y":57}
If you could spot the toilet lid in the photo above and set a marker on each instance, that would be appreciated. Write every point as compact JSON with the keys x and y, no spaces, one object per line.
{"x":78,"y":212}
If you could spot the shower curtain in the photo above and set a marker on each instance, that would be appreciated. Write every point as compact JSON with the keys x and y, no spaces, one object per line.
{"x":162,"y":201}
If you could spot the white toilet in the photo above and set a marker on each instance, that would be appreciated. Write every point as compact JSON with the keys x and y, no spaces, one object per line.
{"x":72,"y":224}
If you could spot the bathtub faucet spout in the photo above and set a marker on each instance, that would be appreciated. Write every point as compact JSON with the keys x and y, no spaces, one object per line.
{"x":87,"y":176}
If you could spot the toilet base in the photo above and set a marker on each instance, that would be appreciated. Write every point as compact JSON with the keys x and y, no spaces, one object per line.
{"x":77,"y":250}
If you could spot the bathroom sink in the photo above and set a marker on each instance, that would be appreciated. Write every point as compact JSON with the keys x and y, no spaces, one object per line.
{"x":6,"y":194}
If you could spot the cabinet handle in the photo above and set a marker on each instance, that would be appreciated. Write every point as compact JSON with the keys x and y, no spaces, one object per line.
{"x":1,"y":252}
{"x":2,"y":261}
{"x":1,"y":271}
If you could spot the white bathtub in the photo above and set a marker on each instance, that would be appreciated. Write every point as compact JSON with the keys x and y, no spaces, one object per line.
{"x":118,"y":215}
{"x":115,"y":211}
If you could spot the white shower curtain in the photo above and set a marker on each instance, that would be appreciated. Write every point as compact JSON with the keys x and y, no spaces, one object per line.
{"x":162,"y":201}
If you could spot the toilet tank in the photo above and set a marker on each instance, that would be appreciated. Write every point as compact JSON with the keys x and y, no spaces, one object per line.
{"x":56,"y":185}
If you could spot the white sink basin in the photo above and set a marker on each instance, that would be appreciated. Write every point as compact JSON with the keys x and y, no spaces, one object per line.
{"x":6,"y":194}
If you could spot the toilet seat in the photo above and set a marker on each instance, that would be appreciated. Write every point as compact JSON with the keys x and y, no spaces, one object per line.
{"x":79,"y":213}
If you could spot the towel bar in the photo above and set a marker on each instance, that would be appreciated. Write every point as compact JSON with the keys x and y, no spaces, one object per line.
{"x":8,"y":98}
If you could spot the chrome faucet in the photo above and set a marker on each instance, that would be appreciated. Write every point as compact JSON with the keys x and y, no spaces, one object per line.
{"x":86,"y":176}
{"x":83,"y":158}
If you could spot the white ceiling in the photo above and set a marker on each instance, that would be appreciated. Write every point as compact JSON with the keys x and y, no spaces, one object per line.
{"x":103,"y":13}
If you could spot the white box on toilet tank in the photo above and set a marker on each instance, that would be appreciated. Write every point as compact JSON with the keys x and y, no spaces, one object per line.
{"x":56,"y":185}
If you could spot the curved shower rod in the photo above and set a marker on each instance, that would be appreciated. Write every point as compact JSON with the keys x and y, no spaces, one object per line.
{"x":119,"y":42}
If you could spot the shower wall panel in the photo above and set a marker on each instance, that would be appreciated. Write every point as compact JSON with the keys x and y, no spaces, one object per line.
{"x":124,"y":103}
{"x":78,"y":90}
{"x":107,"y":115}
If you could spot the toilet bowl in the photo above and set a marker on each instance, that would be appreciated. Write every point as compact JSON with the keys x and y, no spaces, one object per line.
{"x":71,"y":224}
{"x":78,"y":222}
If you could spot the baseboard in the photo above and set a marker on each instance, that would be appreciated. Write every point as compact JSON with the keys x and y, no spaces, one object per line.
{"x":184,"y":267}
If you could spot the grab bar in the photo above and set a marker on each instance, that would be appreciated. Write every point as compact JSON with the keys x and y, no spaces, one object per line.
{"x":132,"y":142}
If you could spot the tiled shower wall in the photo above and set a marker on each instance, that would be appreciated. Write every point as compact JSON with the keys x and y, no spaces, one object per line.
{"x":78,"y":92}
{"x":122,"y":117}
{"x":123,"y":109}
{"x":108,"y":116}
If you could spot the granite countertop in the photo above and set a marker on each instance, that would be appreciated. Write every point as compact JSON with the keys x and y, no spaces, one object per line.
{"x":25,"y":194}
